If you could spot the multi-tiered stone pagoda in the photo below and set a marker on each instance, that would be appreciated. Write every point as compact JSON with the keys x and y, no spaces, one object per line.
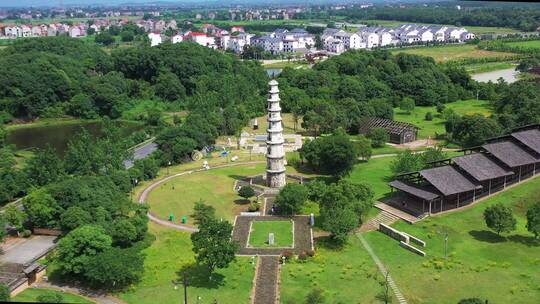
{"x":275,"y":154}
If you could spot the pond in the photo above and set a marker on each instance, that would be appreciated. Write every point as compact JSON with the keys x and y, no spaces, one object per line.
{"x":509,"y":75}
{"x":59,"y":135}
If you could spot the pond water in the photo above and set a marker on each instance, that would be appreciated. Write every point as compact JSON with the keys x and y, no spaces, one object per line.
{"x":509,"y":75}
{"x":58,"y":136}
{"x":273,"y":72}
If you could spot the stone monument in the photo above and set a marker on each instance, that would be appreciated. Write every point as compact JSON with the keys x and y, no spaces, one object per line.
{"x":275,"y":154}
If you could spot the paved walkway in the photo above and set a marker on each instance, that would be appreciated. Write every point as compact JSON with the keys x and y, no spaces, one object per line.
{"x":98,"y":297}
{"x":144,"y":195}
{"x":266,"y":283}
{"x":382,"y":269}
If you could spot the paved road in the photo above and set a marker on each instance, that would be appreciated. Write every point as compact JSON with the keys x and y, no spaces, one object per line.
{"x":141,"y":153}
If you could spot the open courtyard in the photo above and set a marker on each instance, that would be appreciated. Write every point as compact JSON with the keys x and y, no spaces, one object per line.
{"x":283,"y":234}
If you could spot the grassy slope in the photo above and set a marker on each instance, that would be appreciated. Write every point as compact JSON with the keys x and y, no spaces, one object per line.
{"x":452,"y":52}
{"x":487,"y":67}
{"x":376,"y":173}
{"x":282,"y":233}
{"x":32,"y":294}
{"x":346,"y":276}
{"x":429,"y":128}
{"x":481,"y":264}
{"x":166,"y":260}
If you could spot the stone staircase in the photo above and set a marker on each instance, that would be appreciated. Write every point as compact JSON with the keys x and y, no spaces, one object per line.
{"x":383,"y":217}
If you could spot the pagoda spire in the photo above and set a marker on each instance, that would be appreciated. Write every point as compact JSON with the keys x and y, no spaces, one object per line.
{"x":275,"y":154}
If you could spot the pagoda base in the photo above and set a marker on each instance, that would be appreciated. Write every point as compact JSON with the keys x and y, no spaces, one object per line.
{"x":276,"y":180}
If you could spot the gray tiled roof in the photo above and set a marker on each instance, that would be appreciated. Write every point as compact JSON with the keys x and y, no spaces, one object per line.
{"x":480,"y":166}
{"x":510,"y":154}
{"x":448,"y":180}
{"x":530,"y":138}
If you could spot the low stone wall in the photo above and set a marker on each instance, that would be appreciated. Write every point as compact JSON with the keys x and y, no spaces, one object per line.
{"x":393,"y":233}
{"x":404,"y":239}
{"x":47,"y":231}
{"x":412,"y":248}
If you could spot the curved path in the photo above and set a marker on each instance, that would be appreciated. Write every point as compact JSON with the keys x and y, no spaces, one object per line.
{"x":144,"y":194}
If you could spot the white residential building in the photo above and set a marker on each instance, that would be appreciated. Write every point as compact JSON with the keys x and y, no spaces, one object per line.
{"x":177,"y":38}
{"x":155,"y":39}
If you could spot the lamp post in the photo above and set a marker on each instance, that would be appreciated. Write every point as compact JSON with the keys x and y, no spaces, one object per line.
{"x":168,"y":166}
{"x":134,"y":183}
{"x":445,"y":245}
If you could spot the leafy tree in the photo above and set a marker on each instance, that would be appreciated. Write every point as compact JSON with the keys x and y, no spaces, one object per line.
{"x":500,"y":218}
{"x":169,"y":87}
{"x":73,"y":218}
{"x":44,"y":167}
{"x":334,"y":154}
{"x":407,"y":105}
{"x":104,"y":38}
{"x":203,"y":213}
{"x":364,"y":147}
{"x":3,"y":134}
{"x":115,"y":268}
{"x":474,"y":130}
{"x":440,"y":107}
{"x":407,"y":161}
{"x":82,"y":105}
{"x":42,"y":208}
{"x":339,"y":222}
{"x":379,"y":137}
{"x":291,"y":198}
{"x":15,"y":217}
{"x":433,"y":154}
{"x":123,"y":232}
{"x":213,"y":246}
{"x":533,"y":220}
{"x":78,"y":247}
{"x":429,"y":116}
{"x":246,"y":192}
{"x":127,"y":36}
{"x":315,"y":296}
{"x":148,"y":168}
{"x":4,"y":293}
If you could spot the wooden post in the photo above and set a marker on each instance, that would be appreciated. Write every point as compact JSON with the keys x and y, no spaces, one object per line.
{"x":519,"y":174}
{"x":489,"y":189}
{"x":457,"y":200}
{"x":430,"y":206}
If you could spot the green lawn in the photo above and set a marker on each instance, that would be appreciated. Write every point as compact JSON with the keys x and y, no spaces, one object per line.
{"x":282,"y":230}
{"x":376,"y":173}
{"x":429,"y":128}
{"x":285,"y":64}
{"x":345,"y":275}
{"x":535,"y":44}
{"x":452,"y":52}
{"x":480,"y":264}
{"x":32,"y":294}
{"x":169,"y":257}
{"x":214,"y":187}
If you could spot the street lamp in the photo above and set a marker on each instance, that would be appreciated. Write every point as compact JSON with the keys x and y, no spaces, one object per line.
{"x":134,"y":183}
{"x":168,"y":166}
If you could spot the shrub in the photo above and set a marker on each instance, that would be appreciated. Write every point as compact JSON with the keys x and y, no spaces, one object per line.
{"x":302,"y":256}
{"x":4,"y":293}
{"x":316,"y":296}
{"x":429,"y":116}
{"x":246,"y":192}
{"x":26,"y":233}
{"x":471,"y":301}
{"x":310,"y":253}
{"x":51,"y":297}
{"x":254,"y":206}
{"x":440,"y":107}
{"x":379,"y":137}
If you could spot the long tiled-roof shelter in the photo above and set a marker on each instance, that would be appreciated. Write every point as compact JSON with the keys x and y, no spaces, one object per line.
{"x":458,"y":181}
{"x":399,"y":132}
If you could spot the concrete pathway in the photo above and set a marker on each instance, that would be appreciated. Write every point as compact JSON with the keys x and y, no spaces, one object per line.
{"x":266,"y":283}
{"x":97,"y":297}
{"x":382,"y":269}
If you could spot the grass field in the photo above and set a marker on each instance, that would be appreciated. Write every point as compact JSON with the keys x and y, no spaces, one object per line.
{"x":169,"y":257}
{"x":479,"y":264}
{"x":535,"y":44}
{"x":286,"y":64}
{"x":214,"y":187}
{"x":376,"y":173}
{"x":474,"y":29}
{"x":452,"y":52}
{"x":347,"y":275}
{"x":429,"y":128}
{"x":31,"y":295}
{"x":282,"y":230}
